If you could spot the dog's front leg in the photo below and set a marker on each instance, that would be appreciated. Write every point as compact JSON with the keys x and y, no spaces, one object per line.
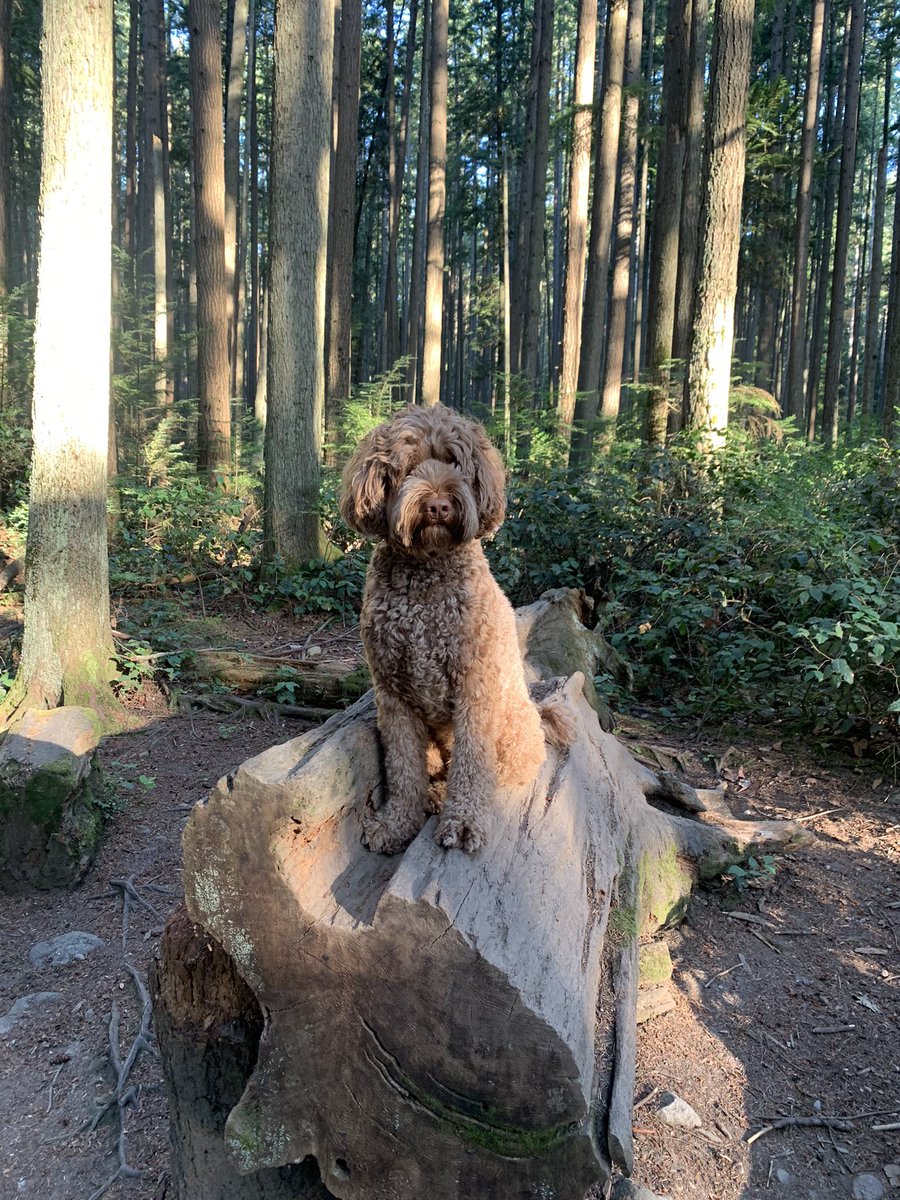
{"x":405,"y":739}
{"x":471,"y":782}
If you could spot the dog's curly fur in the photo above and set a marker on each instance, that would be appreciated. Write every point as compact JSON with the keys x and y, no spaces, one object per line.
{"x":439,"y":634}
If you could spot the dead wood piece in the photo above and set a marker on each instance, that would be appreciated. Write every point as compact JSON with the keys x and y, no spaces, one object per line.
{"x":619,"y":1135}
{"x":553,"y":640}
{"x":321,"y":682}
{"x":221,"y":702}
{"x":654,"y":1002}
{"x":406,"y":1005}
{"x":801,"y":1123}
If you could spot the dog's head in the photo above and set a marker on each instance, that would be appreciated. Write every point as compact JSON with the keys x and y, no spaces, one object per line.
{"x":427,"y":480}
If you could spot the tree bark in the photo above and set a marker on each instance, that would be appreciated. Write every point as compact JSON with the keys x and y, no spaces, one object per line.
{"x":252,"y":126}
{"x":129,"y":230}
{"x":415,"y":314}
{"x":520,"y":260}
{"x":666,"y":221}
{"x":577,"y":216}
{"x":153,"y":183}
{"x":891,"y":401}
{"x":5,"y":187}
{"x":301,"y":155}
{"x":611,"y":389}
{"x":437,"y":192}
{"x":67,"y":652}
{"x":342,"y":219}
{"x":709,"y":379}
{"x":214,"y":430}
{"x":692,"y":188}
{"x":641,"y":194}
{"x":817,"y":337}
{"x":593,"y":326}
{"x":208,"y":1025}
{"x":831,"y":407}
{"x":537,"y":209}
{"x":872,"y":342}
{"x":236,"y":50}
{"x":792,"y":395}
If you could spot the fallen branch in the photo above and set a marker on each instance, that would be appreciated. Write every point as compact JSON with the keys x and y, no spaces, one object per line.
{"x":802,"y":1123}
{"x":220,"y":702}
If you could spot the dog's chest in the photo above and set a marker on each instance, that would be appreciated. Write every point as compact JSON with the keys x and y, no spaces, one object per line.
{"x":417,"y":625}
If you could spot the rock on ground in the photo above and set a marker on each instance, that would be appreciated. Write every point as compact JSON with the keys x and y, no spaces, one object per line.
{"x":64,"y":948}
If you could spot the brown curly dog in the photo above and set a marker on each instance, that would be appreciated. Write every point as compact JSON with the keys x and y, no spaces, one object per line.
{"x":439,"y":634}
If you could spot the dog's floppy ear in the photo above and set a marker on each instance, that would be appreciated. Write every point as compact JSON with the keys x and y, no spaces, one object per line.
{"x":364,"y":487}
{"x":489,"y":483}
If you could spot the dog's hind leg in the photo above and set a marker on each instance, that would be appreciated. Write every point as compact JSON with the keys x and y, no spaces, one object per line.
{"x":405,"y":739}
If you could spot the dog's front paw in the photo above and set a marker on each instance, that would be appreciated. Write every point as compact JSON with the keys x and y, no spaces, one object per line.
{"x":437,"y":791}
{"x":456,"y":833}
{"x":385,"y":833}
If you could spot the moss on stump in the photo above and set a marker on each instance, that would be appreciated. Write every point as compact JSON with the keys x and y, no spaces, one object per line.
{"x":50,"y":817}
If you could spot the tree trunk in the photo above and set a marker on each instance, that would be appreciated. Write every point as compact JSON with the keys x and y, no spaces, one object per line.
{"x":872,"y":343}
{"x":153,"y":180}
{"x":129,"y":243}
{"x":618,"y":310}
{"x":891,"y":400}
{"x":709,"y":377}
{"x":827,"y":227}
{"x":537,"y":209}
{"x":520,"y":260}
{"x":67,"y":651}
{"x":831,"y":407}
{"x":792,"y":395}
{"x":576,"y":219}
{"x":252,"y":126}
{"x":437,"y":190}
{"x":692,"y":188}
{"x":640,"y":257}
{"x":593,"y":325}
{"x":301,"y":152}
{"x":342,"y":212}
{"x":5,"y":188}
{"x":236,"y":50}
{"x":415,"y":314}
{"x":330,"y":939}
{"x":214,"y":430}
{"x":666,"y":220}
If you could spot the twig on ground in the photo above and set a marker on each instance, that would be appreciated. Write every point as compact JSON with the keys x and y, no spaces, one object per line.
{"x":886,"y":1128}
{"x":52,"y":1083}
{"x":719,"y":974}
{"x":646,"y":1100}
{"x":801,"y":1123}
{"x":834,"y":1028}
{"x":765,"y":940}
{"x":122,"y":1096}
{"x":825,"y":813}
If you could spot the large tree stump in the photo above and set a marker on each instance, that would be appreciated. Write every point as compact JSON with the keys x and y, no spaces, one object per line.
{"x":431,"y":1021}
{"x":50,"y":794}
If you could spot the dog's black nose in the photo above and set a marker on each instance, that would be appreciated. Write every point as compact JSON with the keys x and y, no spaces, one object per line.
{"x":439,"y":508}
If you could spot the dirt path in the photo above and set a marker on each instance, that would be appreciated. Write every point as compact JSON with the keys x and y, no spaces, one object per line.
{"x":743,"y":1045}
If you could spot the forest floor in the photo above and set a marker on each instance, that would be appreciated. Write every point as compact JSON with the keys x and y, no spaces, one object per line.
{"x":796,"y":1018}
